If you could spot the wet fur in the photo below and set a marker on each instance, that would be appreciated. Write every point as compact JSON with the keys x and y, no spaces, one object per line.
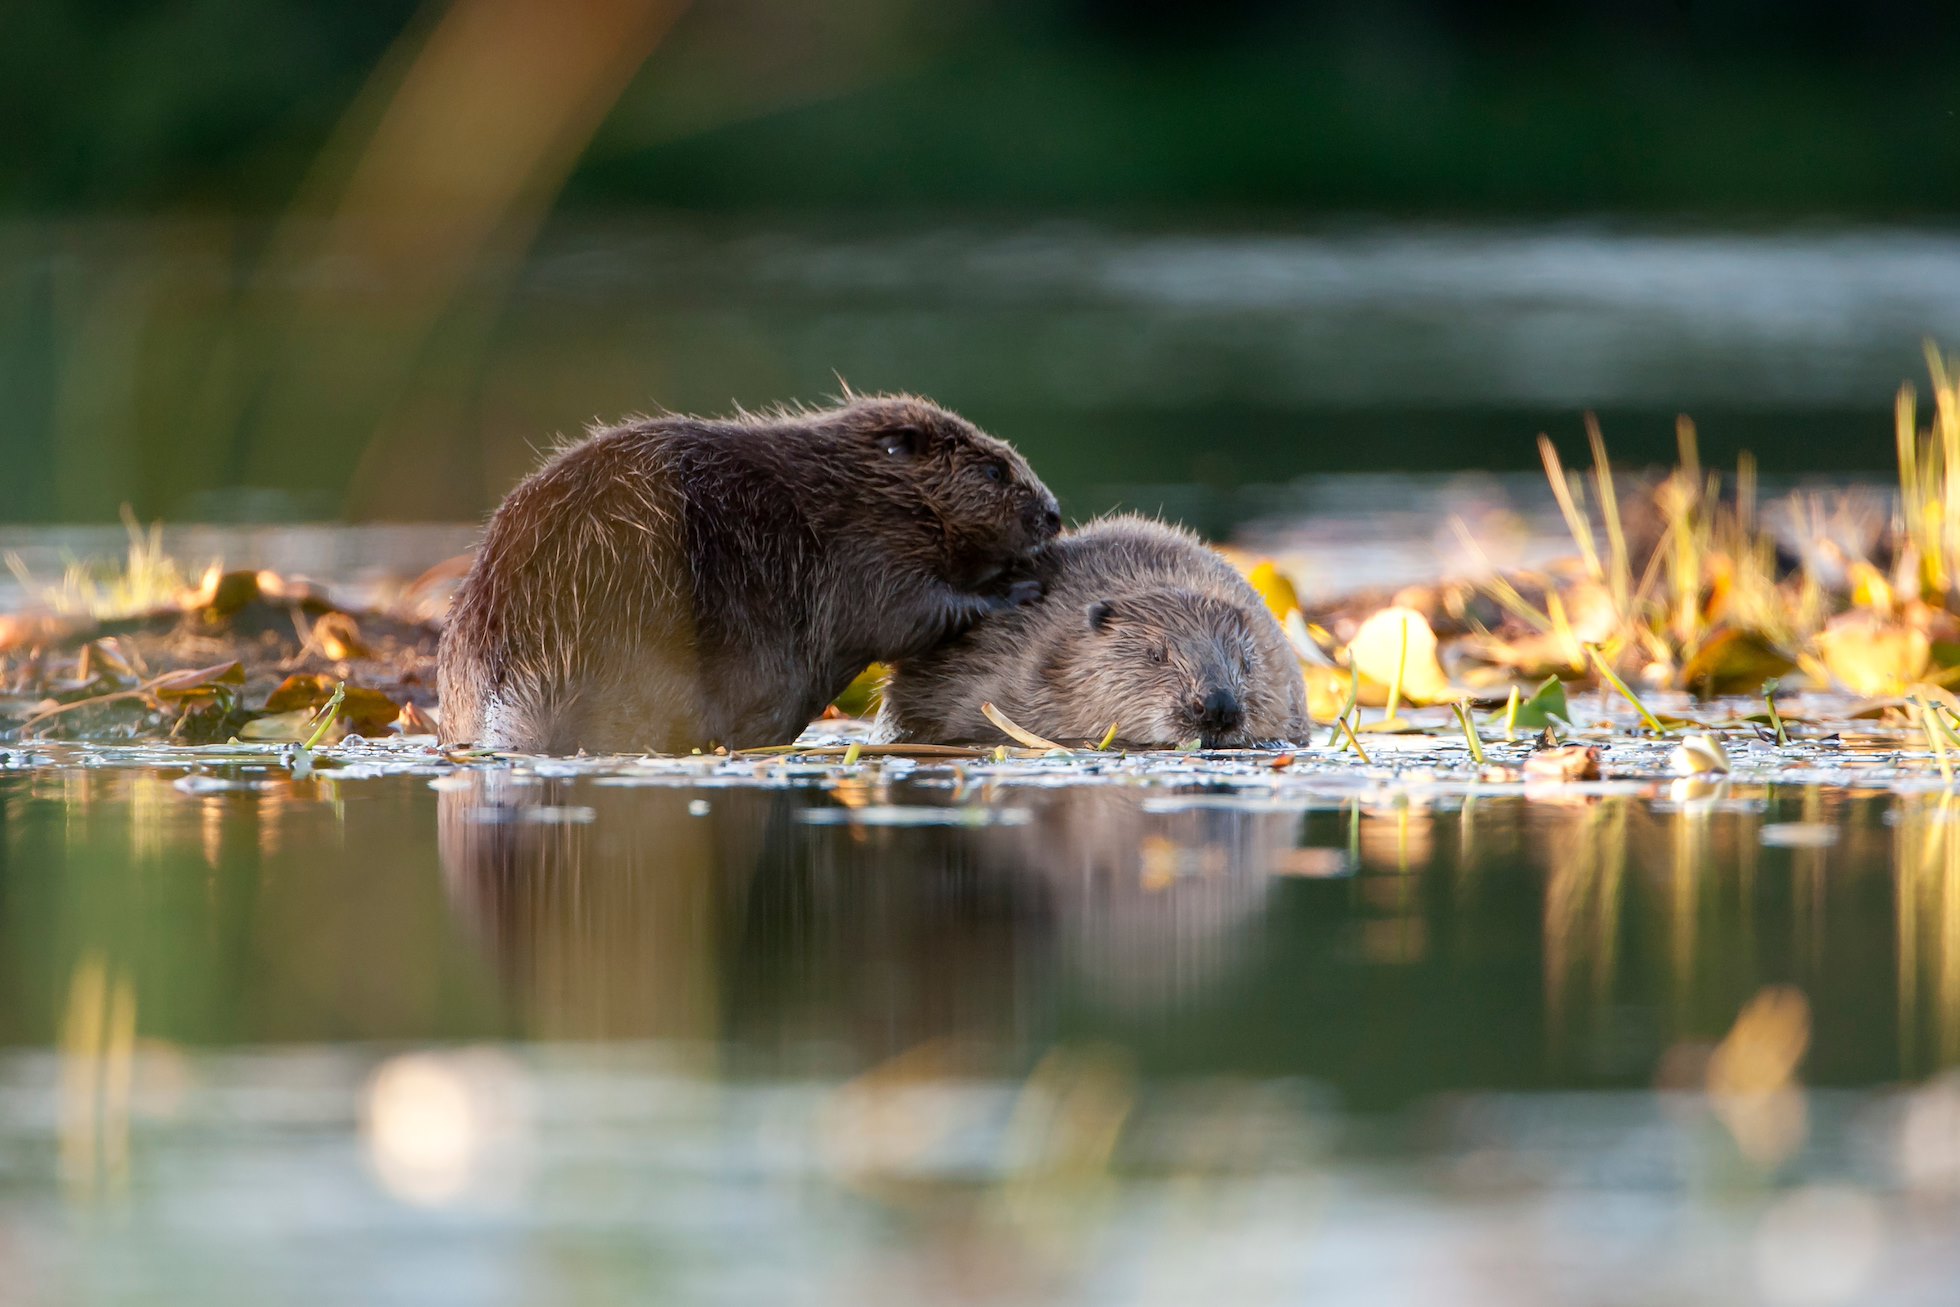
{"x":677,"y":583}
{"x":1075,"y":662}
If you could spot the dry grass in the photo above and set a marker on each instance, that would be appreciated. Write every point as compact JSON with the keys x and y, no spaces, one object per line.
{"x":146,"y":580}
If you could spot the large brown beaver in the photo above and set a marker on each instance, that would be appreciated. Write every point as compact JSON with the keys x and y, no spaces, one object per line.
{"x":678,"y":583}
{"x":1139,"y":626}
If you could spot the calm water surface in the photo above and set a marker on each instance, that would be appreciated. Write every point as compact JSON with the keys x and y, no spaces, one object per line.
{"x":733,"y":1032}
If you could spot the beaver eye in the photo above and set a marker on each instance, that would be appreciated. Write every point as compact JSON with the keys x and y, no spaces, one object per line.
{"x":993,"y":471}
{"x":1157,"y":654}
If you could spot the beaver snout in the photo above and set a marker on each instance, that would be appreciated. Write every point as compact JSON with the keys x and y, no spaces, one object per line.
{"x":1217,"y":715}
{"x":1043,"y":519}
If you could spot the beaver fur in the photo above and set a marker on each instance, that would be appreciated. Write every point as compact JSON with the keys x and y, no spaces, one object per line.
{"x":1139,"y":625}
{"x":679,"y":583}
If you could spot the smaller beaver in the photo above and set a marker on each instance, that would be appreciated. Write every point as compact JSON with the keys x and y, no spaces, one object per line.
{"x":678,"y":583}
{"x":1139,"y":625}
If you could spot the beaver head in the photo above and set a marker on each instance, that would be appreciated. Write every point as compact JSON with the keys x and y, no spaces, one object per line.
{"x":977,"y":505}
{"x":1168,"y":667}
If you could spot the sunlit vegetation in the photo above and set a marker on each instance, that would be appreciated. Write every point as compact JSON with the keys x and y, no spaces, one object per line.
{"x":1681,"y":584}
{"x":1674,"y":584}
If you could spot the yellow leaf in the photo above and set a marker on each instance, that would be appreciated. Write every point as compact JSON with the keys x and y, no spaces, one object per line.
{"x":860,"y":697}
{"x":1871,"y":656}
{"x":1378,"y":650}
{"x":1273,"y":587}
{"x":1327,"y":691}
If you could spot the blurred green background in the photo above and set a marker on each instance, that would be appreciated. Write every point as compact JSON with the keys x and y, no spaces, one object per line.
{"x":292,"y":260}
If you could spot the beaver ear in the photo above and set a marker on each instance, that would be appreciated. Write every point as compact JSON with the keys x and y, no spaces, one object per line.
{"x":901,"y":441}
{"x":1101,"y":614}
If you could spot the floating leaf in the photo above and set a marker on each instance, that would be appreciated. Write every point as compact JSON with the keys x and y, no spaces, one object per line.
{"x":1397,"y":645}
{"x":1546,"y":707}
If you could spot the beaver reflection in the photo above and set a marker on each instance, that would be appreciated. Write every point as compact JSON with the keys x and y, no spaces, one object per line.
{"x":767,"y":916}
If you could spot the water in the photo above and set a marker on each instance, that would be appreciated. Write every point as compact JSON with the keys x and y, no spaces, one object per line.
{"x":195,"y":371}
{"x":1162,"y":1031}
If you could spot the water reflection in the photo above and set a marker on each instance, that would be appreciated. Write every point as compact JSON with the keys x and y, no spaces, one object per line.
{"x":896,"y":1033}
{"x":791,"y":918}
{"x":1221,"y":920}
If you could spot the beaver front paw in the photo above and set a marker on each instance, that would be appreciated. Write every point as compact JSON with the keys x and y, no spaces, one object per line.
{"x":1020,"y":594}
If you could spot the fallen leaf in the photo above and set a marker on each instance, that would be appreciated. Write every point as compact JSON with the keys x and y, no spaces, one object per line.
{"x":1872,"y":656}
{"x":1377,"y":651}
{"x":362,"y":711}
{"x":338,"y":638}
{"x":1734,"y":662}
{"x":197,"y":680}
{"x":1327,"y":691}
{"x":279,"y":727}
{"x":1273,"y":587}
{"x":413,"y":721}
{"x":860,"y":697}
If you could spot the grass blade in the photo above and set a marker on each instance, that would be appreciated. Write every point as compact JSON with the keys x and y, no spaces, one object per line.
{"x":1599,"y":661}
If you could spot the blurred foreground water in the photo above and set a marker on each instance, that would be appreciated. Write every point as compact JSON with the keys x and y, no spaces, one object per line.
{"x":1179,"y":1032}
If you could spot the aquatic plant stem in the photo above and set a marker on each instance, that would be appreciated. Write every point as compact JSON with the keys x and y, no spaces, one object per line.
{"x":327,"y":715}
{"x":1355,"y":740}
{"x":1935,"y":730}
{"x":1401,"y":670}
{"x":1353,"y":699}
{"x":1470,"y":731}
{"x":1775,"y":718}
{"x":1606,"y":672}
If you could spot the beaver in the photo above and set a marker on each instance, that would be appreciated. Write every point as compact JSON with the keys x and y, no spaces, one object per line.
{"x":1139,"y":625}
{"x":679,"y":583}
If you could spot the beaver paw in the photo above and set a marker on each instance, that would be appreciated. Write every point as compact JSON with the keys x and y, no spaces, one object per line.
{"x":1020,"y":594}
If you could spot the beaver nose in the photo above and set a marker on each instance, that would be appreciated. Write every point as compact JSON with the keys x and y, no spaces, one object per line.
{"x":1219,"y":713}
{"x":1044,"y":520}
